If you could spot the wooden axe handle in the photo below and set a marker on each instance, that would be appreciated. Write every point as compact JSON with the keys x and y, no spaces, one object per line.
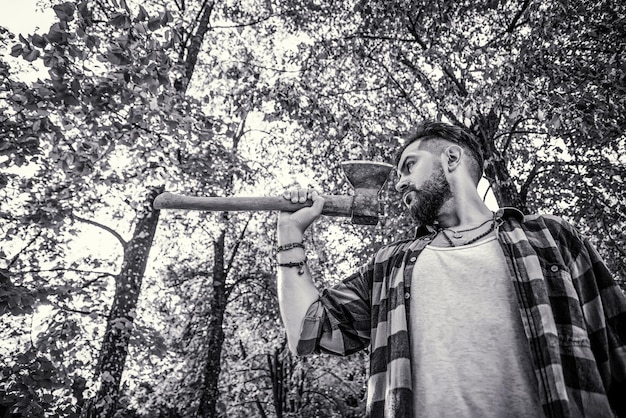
{"x":334,"y":205}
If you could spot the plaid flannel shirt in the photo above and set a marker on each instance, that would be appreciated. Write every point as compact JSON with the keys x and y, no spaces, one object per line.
{"x":573,"y":313}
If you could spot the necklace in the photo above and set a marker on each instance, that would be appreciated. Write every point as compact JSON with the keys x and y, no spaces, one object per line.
{"x":476,"y":238}
{"x":459,"y":235}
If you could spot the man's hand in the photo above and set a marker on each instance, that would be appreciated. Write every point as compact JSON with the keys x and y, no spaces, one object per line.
{"x":294,"y":224}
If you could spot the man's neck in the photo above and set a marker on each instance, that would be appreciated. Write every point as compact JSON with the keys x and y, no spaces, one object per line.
{"x":463,"y":212}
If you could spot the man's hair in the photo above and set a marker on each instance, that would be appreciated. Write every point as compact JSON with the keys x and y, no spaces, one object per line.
{"x":431,"y":130}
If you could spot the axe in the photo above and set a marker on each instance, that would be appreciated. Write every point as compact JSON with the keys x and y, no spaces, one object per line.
{"x":364,"y":207}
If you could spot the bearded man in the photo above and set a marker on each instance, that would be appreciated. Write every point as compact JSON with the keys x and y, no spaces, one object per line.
{"x":481,"y":314}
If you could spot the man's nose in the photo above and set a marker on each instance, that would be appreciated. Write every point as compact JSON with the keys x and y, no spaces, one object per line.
{"x":401,"y":185}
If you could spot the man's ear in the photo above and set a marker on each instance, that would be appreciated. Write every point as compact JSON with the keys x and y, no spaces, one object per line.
{"x":452,"y":157}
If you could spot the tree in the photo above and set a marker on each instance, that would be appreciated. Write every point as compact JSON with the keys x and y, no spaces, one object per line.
{"x":525,"y":77}
{"x":205,"y":99}
{"x":121,"y":119}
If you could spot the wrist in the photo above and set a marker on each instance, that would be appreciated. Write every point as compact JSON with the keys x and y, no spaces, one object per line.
{"x":288,"y":234}
{"x":292,"y":255}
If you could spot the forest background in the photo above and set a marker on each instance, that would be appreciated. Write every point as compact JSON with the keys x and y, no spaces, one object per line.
{"x":110,"y":308}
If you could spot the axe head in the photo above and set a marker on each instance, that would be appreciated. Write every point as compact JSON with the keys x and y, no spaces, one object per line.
{"x":368,"y":179}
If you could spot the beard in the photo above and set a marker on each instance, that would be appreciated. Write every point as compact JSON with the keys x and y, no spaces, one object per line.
{"x":429,"y":199}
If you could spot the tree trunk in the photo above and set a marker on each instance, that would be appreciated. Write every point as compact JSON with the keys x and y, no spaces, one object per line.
{"x":212,"y":369}
{"x":121,"y":317}
{"x":502,"y":185}
{"x":281,"y":368}
{"x":215,"y":342}
{"x":275,"y":365}
{"x":202,"y":27}
{"x":485,"y":128}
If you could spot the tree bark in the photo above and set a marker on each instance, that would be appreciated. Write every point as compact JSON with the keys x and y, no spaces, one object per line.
{"x":275,"y":365}
{"x":203,"y":26}
{"x":215,"y":341}
{"x":506,"y":193}
{"x":121,"y":317}
{"x":210,"y":391}
{"x":504,"y":189}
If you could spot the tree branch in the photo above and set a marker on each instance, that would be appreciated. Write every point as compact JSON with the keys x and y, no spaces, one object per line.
{"x":405,"y":95}
{"x":342,"y":92}
{"x":60,"y":269}
{"x":615,"y":244}
{"x":180,"y":5}
{"x":196,"y":41}
{"x":245,"y":278}
{"x":99,"y":225}
{"x":512,"y":25}
{"x":361,"y":35}
{"x":229,"y":265}
{"x":185,"y":40}
{"x":517,"y":17}
{"x":68,"y":309}
{"x":413,"y":31}
{"x":459,"y":85}
{"x":510,"y":134}
{"x":531,"y":177}
{"x":487,"y":192}
{"x":339,"y":378}
{"x":251,"y":23}
{"x":16,"y":256}
{"x":425,"y":82}
{"x":445,"y":67}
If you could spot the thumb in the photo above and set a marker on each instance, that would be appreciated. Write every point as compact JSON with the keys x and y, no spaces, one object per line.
{"x":318,"y":203}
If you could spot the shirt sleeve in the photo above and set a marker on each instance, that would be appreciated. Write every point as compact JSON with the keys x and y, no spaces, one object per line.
{"x":605,"y":314}
{"x":339,"y":322}
{"x":604,"y":307}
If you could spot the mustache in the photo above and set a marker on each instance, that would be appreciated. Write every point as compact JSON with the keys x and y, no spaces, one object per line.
{"x":405,"y":195}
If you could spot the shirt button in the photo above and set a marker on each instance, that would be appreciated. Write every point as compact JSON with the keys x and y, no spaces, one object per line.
{"x":407,"y":295}
{"x":554,"y":268}
{"x":412,"y":260}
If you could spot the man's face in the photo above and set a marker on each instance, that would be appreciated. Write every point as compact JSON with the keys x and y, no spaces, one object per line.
{"x":422,"y":182}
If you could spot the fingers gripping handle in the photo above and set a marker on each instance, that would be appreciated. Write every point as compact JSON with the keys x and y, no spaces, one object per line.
{"x":359,"y":208}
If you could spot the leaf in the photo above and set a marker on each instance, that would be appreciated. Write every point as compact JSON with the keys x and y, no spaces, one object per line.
{"x":142,"y":15}
{"x":120,"y":20}
{"x":31,"y":55}
{"x":541,"y":115}
{"x":154,"y":23}
{"x":39,"y":41}
{"x":167,"y":18}
{"x":56,"y":34}
{"x":16,"y":50}
{"x":75,"y":86}
{"x":71,"y":100}
{"x":117,"y":58}
{"x":65,"y":11}
{"x":124,"y":5}
{"x":555,"y":122}
{"x":92,"y":41}
{"x":140,"y":28}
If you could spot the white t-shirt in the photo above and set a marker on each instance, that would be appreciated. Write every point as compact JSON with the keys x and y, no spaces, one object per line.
{"x":469,"y":353}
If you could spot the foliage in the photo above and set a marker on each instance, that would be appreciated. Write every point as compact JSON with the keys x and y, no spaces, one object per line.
{"x":220,"y":98}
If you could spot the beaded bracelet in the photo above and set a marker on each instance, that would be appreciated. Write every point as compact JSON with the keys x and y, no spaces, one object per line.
{"x":289,"y":246}
{"x":295,"y":264}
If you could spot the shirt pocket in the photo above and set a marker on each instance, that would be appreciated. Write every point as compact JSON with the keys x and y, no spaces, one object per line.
{"x":567,"y":311}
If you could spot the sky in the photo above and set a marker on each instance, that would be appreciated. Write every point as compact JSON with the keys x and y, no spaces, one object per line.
{"x":24,"y":16}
